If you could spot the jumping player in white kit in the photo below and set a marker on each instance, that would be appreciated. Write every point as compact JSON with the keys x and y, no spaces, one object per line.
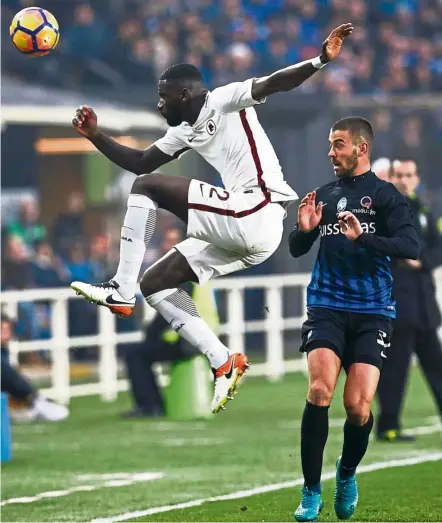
{"x":228,"y":229}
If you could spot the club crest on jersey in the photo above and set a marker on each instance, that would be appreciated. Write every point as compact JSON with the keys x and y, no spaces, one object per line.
{"x":211,"y":127}
{"x":366,"y":202}
{"x":342,"y":204}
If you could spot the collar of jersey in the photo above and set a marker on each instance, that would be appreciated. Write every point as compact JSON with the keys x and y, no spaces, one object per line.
{"x":203,"y":113}
{"x":355,"y":179}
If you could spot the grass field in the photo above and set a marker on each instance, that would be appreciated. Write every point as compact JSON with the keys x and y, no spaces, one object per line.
{"x":95,"y":466}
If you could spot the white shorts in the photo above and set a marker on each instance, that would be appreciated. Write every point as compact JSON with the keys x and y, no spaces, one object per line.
{"x":229,"y":231}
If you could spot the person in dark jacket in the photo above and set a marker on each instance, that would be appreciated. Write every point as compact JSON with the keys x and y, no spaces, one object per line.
{"x":69,"y":227}
{"x":417,"y":313}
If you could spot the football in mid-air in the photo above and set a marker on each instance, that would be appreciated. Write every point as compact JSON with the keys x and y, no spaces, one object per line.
{"x":34,"y":31}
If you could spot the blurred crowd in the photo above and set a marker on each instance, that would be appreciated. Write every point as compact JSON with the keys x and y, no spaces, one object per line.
{"x":396,"y":47}
{"x":34,"y":256}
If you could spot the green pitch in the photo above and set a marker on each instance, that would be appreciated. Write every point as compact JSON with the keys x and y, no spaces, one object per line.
{"x":97,"y":466}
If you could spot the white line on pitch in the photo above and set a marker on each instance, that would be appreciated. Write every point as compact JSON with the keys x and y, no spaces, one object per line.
{"x":434,"y":456}
{"x":434,"y":425}
{"x":112,"y":480}
{"x":425,"y":429}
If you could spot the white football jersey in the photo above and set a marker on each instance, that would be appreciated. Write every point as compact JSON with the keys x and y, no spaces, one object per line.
{"x":228,"y":135}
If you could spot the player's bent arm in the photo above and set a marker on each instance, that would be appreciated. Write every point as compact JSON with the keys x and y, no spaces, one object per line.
{"x":301,"y":242}
{"x":133,"y":160}
{"x":431,"y":256}
{"x":284,"y":79}
{"x":403,"y":241}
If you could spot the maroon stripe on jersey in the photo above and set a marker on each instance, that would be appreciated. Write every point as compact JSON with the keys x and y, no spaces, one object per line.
{"x":228,"y":212}
{"x":180,"y":152}
{"x":259,"y":172}
{"x":254,"y":151}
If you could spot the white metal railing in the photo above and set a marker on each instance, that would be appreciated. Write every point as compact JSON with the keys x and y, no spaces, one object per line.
{"x":234,"y":329}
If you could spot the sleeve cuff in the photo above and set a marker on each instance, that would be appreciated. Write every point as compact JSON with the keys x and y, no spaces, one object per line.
{"x":249,"y":88}
{"x":362,"y":239}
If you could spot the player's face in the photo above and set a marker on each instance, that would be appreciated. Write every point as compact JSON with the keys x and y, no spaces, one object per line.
{"x":171,"y":104}
{"x":6,"y":332}
{"x":171,"y":238}
{"x":343,"y":153}
{"x":405,"y":177}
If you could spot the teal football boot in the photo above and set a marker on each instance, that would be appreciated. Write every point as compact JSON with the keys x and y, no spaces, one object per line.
{"x":346,"y":494}
{"x":311,"y":504}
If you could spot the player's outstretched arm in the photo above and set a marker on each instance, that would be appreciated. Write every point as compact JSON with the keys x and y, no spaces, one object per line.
{"x":397,"y":216}
{"x":293,"y":76}
{"x":133,"y":160}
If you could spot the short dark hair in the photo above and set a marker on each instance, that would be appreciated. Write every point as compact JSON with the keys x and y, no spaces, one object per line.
{"x":5,"y":317}
{"x":401,"y":159}
{"x":357,"y":127}
{"x":182,"y":72}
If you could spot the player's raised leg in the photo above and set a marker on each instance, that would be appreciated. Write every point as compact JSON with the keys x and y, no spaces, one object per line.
{"x":159,"y":286}
{"x":149,"y":192}
{"x":323,"y":366}
{"x":359,"y":392}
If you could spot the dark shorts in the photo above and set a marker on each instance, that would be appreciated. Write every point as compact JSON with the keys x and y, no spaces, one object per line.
{"x":354,"y":337}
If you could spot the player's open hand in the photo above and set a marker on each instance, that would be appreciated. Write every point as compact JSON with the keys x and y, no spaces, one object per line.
{"x":350,"y":225}
{"x":333,"y":44}
{"x":309,"y":214}
{"x":85,"y":121}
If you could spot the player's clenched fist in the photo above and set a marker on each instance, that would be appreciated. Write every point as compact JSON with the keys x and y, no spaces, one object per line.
{"x":309,"y":214}
{"x":85,"y":121}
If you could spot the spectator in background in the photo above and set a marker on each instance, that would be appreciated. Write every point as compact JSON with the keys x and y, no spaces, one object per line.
{"x":19,"y":388}
{"x":80,"y":266}
{"x":27,"y":225}
{"x":417,"y":313}
{"x":381,"y":167}
{"x":278,"y":54}
{"x":88,"y":36}
{"x":385,"y":132}
{"x":17,"y":275}
{"x":403,"y":53}
{"x":47,"y":269}
{"x":16,"y":268}
{"x":221,"y":70}
{"x":87,"y":46}
{"x":242,"y":60}
{"x":140,"y":60}
{"x":411,"y":139}
{"x":69,"y":226}
{"x":99,"y":251}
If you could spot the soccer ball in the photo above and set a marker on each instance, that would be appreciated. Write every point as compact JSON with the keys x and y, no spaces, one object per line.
{"x":34,"y":31}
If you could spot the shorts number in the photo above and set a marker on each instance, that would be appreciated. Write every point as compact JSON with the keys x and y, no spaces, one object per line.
{"x":214,"y":191}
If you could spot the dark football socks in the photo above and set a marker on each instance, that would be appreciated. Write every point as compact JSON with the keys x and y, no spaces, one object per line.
{"x":314,"y":433}
{"x":355,"y":445}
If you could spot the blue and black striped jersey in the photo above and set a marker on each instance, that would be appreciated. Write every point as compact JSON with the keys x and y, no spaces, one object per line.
{"x":355,"y":275}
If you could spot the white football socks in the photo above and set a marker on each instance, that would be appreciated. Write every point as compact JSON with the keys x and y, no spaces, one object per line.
{"x":179,"y":310}
{"x":138,"y":228}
